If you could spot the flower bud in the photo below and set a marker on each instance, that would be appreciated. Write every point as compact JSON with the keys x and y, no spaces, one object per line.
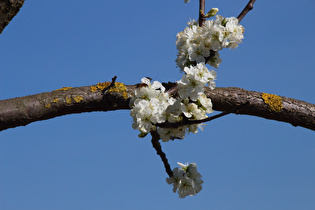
{"x":212,"y":12}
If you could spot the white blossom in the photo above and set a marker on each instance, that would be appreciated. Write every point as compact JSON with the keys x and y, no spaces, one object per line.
{"x":151,"y":105}
{"x":167,"y":134}
{"x":193,"y":82}
{"x":186,"y":180}
{"x":205,"y":103}
{"x":195,"y":43}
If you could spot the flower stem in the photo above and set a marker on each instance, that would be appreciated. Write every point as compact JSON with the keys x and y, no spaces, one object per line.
{"x":157,"y":146}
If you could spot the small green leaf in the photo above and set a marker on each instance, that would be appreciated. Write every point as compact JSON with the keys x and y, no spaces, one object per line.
{"x":223,"y":22}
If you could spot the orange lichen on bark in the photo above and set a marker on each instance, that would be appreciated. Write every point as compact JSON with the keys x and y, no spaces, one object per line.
{"x":68,"y":100}
{"x":47,"y":105}
{"x":56,"y":100}
{"x":120,"y":88}
{"x":103,"y":85}
{"x":78,"y":99}
{"x":64,"y":88}
{"x":93,"y":88}
{"x":273,"y":101}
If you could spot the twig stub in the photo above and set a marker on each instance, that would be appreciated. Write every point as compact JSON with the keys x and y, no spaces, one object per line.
{"x":248,"y":7}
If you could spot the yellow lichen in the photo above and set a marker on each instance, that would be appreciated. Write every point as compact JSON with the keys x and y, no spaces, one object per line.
{"x":56,"y":100}
{"x":119,"y":88}
{"x":273,"y":101}
{"x":78,"y":99}
{"x":64,"y":88}
{"x":93,"y":88}
{"x":47,"y":105}
{"x":68,"y":100}
{"x":103,"y":85}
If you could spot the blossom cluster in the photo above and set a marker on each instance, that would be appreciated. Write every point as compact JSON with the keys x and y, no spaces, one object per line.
{"x":149,"y":105}
{"x":152,"y":105}
{"x":195,"y":43}
{"x":186,"y":180}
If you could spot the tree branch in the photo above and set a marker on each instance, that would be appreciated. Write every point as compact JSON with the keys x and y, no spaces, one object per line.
{"x":24,"y":110}
{"x":295,"y":112}
{"x":8,"y":9}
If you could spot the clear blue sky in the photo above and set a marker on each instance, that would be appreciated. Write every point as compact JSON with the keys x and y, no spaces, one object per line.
{"x":96,"y":160}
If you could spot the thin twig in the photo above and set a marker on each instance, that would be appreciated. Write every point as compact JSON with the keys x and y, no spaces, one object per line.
{"x":157,"y":146}
{"x":191,"y":122}
{"x":249,"y":6}
{"x":112,"y":84}
{"x":202,"y":8}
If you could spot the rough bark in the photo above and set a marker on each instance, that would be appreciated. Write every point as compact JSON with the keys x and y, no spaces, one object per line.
{"x":24,"y":110}
{"x":8,"y":9}
{"x":295,"y":112}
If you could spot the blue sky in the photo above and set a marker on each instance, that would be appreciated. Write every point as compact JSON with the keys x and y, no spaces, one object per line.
{"x":96,"y":161}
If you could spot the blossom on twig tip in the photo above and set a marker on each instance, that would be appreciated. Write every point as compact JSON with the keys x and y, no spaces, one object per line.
{"x":186,"y":180}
